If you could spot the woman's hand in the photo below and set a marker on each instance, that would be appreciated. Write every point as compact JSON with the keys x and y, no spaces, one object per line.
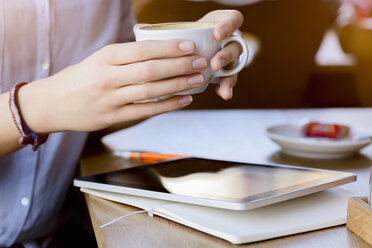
{"x":101,"y":91}
{"x":228,"y":21}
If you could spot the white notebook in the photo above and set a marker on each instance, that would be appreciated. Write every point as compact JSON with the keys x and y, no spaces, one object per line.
{"x":316,"y":211}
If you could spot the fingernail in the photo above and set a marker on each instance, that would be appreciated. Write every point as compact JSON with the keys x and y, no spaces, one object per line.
{"x":199,"y":63}
{"x":196,"y":80}
{"x":186,"y":46}
{"x":186,"y":100}
{"x":223,"y":32}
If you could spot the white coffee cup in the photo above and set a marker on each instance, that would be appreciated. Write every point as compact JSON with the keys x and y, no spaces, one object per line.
{"x":206,"y":45}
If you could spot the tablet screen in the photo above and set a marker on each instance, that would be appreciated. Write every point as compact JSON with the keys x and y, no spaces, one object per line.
{"x":219,"y":180}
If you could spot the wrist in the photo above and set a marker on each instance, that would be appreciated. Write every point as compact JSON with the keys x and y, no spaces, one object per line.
{"x":35,"y":104}
{"x":27,"y":135}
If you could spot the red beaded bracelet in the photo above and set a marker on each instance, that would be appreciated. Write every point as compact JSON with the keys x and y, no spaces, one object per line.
{"x":27,"y":136}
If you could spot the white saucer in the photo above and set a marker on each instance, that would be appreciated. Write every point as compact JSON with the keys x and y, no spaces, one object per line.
{"x":292,"y":142}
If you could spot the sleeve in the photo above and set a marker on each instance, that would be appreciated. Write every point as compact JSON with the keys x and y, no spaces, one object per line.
{"x":128,"y":20}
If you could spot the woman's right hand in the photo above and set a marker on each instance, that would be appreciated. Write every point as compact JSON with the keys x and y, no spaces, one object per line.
{"x":101,"y":91}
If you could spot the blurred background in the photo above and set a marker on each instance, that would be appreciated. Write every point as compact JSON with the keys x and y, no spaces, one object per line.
{"x":304,"y":53}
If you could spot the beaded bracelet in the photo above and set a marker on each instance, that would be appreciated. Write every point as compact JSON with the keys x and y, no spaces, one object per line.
{"x":27,"y":136}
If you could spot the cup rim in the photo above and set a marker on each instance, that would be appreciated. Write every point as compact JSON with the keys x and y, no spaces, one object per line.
{"x":173,"y":30}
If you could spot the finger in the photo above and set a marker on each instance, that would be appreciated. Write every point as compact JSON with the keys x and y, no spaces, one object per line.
{"x":126,"y":53}
{"x":228,"y":21}
{"x":218,"y":16}
{"x":225,"y":88}
{"x":228,"y":26}
{"x":137,"y":111}
{"x":154,"y":70}
{"x":225,"y":56}
{"x":151,"y":90}
{"x":218,"y":90}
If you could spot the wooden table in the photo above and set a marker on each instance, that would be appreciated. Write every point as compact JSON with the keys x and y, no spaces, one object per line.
{"x":141,"y":231}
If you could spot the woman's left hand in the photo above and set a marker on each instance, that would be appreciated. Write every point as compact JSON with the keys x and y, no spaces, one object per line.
{"x":227,"y":21}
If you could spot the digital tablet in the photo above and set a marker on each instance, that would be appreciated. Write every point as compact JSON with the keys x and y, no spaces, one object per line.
{"x":216,"y":183}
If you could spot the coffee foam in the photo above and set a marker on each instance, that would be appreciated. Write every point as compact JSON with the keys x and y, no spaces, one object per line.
{"x":172,"y":26}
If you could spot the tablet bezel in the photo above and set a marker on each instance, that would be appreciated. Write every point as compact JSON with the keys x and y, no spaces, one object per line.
{"x":249,"y":203}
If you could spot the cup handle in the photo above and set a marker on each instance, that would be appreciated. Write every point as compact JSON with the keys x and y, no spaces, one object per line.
{"x":242,"y":59}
